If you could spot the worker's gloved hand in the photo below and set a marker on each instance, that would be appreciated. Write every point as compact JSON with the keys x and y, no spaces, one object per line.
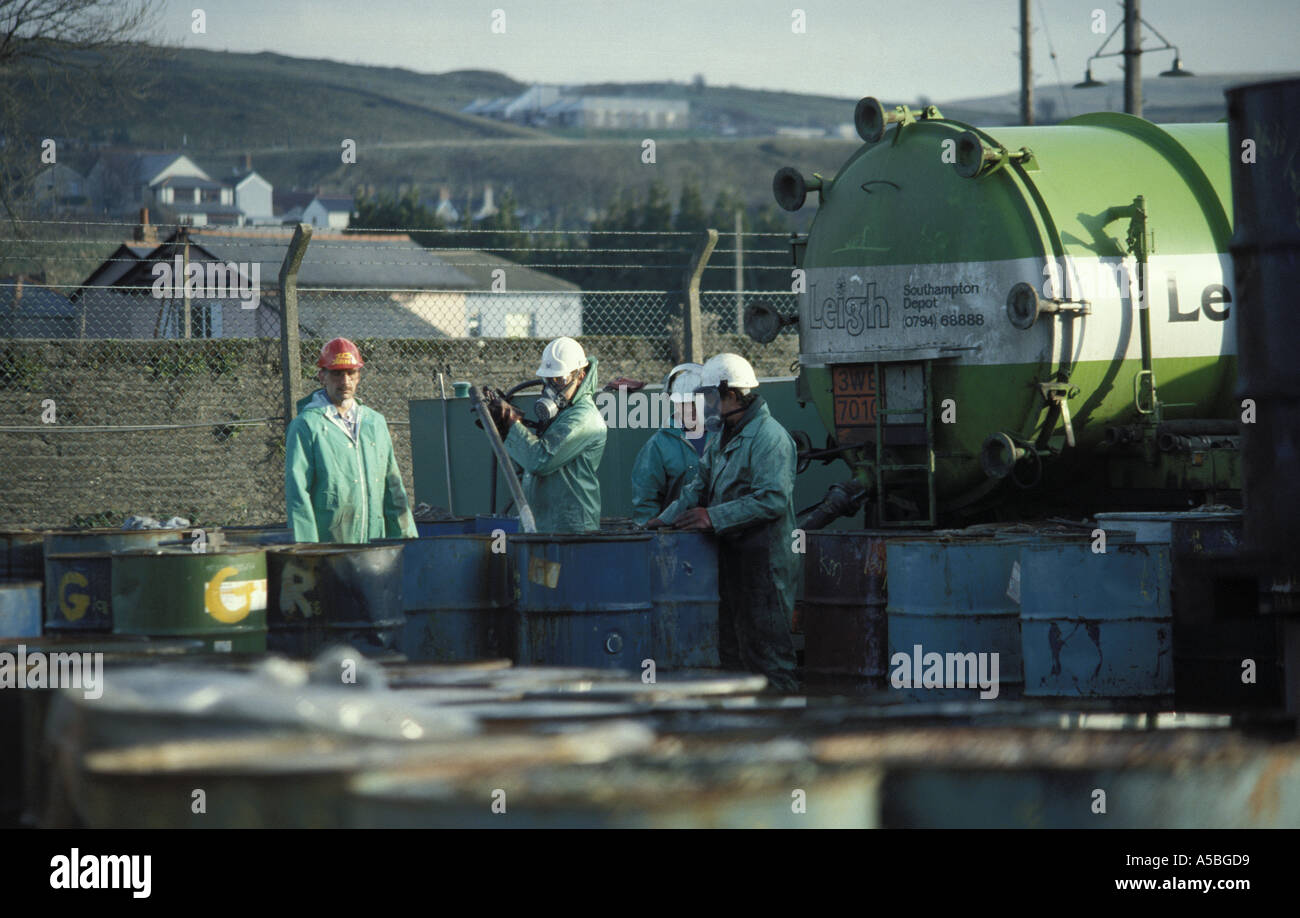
{"x":655,"y":523}
{"x":695,"y":519}
{"x":503,"y":414}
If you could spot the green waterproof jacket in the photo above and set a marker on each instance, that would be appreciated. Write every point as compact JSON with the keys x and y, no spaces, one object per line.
{"x":337,"y":489}
{"x":560,"y":466}
{"x":747,"y":486}
{"x":662,"y":468}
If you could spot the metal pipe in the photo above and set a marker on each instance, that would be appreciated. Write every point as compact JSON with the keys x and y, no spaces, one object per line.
{"x":526,"y":521}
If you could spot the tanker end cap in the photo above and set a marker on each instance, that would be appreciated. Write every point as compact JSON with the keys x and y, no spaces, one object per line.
{"x":763,"y":323}
{"x":1023,"y":306}
{"x":791,"y":189}
{"x":974,"y":156}
{"x":999,"y":455}
{"x":870,"y":119}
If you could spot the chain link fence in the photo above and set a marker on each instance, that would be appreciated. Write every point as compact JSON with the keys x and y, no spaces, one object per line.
{"x":108,"y":407}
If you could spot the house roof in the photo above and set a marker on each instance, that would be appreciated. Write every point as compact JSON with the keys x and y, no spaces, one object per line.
{"x":335,"y":259}
{"x":240,"y":177}
{"x":335,"y":202}
{"x":345,"y":260}
{"x":34,"y":300}
{"x":288,"y":200}
{"x":480,"y":265}
{"x":120,"y":260}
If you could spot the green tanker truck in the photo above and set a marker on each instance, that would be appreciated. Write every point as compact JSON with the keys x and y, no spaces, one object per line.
{"x":1020,"y":321}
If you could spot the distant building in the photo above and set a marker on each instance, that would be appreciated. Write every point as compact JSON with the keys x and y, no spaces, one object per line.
{"x":323,"y":211}
{"x":543,"y":104}
{"x":58,"y":189}
{"x":119,"y":184}
{"x":536,"y":304}
{"x":253,"y":196}
{"x":29,"y":309}
{"x":355,"y":285}
{"x":329,"y":211}
{"x":446,"y":211}
{"x":802,"y":133}
{"x":620,"y":113}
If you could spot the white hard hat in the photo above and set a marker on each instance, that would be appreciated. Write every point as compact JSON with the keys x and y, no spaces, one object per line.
{"x":561,"y":357}
{"x":682,"y":381}
{"x":732,"y":369}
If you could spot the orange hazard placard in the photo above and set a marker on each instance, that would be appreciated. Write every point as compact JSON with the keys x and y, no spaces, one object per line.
{"x":854,"y":393}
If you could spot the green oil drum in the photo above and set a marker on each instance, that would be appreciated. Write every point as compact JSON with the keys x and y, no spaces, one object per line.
{"x":216,"y":597}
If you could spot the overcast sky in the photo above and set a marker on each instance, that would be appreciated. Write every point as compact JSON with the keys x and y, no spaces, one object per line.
{"x":945,"y":49}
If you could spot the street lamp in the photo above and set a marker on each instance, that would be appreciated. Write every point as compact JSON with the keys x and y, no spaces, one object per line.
{"x":1131,"y":52}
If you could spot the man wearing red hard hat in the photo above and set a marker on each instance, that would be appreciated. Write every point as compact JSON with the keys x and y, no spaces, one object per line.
{"x":341,"y":481}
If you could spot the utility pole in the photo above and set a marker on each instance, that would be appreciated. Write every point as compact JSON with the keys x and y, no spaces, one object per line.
{"x":1133,"y":57}
{"x":1026,"y":68}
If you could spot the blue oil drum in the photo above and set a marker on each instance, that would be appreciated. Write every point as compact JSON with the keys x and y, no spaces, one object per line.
{"x":954,"y":625}
{"x":1096,"y":624}
{"x":22,"y":554}
{"x":485,"y":523}
{"x":455,"y":526}
{"x":20,"y":608}
{"x":845,"y":629}
{"x":324,"y":594}
{"x":79,"y":593}
{"x":1217,"y":624}
{"x":684,"y":591}
{"x":456,"y":598}
{"x":582,"y":599}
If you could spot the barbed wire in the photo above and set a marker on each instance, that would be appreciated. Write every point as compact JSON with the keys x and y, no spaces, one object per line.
{"x":438,"y":290}
{"x":441,"y":263}
{"x":427,"y":229}
{"x":129,"y":428}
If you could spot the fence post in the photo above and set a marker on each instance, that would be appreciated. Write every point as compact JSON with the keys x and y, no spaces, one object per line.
{"x":692,"y":329}
{"x":289,"y":363}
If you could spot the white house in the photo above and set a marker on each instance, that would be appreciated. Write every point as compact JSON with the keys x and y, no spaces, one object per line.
{"x":253,"y":196}
{"x":328,"y":211}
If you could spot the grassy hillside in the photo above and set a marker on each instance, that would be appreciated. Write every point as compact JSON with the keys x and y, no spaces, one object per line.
{"x":223,"y":103}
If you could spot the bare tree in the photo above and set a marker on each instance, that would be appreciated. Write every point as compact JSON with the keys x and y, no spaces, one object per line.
{"x":57,"y":59}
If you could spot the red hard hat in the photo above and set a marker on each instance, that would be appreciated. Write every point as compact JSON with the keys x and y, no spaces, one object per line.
{"x":340,"y":354}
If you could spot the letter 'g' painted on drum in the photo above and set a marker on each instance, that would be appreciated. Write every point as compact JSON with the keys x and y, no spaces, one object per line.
{"x":231,"y":601}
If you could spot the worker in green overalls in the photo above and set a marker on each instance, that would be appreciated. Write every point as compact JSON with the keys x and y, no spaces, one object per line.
{"x":341,"y":481}
{"x":744,"y":493}
{"x":672,"y":455}
{"x":560,"y":462}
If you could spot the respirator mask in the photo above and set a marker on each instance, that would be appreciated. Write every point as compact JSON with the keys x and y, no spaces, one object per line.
{"x":714,"y":416}
{"x":552,"y":401}
{"x":711,"y":396}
